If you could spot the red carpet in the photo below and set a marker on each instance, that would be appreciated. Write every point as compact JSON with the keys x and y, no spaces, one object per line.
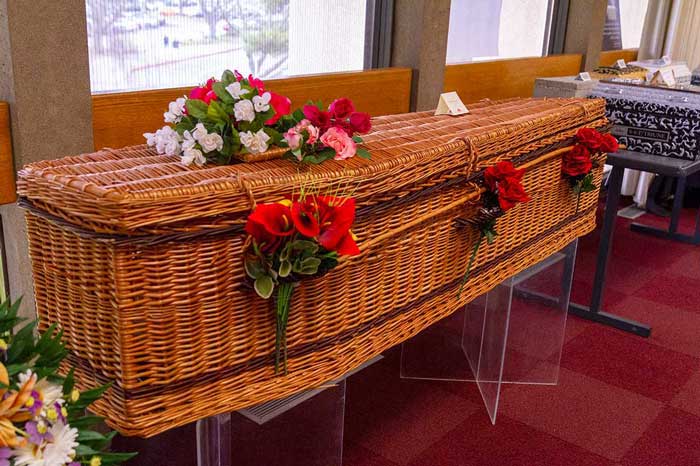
{"x":622,"y":400}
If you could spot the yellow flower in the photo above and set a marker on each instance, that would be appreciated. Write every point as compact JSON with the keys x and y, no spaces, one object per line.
{"x":95,"y":461}
{"x":3,"y":345}
{"x":74,"y":395}
{"x":51,"y":414}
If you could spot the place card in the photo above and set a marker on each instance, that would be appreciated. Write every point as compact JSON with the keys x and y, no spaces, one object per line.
{"x":664,"y":77}
{"x":450,"y":104}
{"x":620,"y":64}
{"x":584,"y":76}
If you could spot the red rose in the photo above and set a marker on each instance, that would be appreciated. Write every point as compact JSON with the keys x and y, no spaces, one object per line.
{"x":305,"y":217}
{"x":590,"y":138}
{"x":345,"y":126}
{"x":510,"y":192}
{"x":256,"y":83}
{"x":318,"y":118}
{"x":198,"y":93}
{"x":577,"y":161}
{"x":609,"y":143}
{"x":360,"y":122}
{"x":499,"y":172}
{"x":341,"y":108}
{"x":211,"y":95}
{"x":282,"y":106}
{"x":268,"y":224}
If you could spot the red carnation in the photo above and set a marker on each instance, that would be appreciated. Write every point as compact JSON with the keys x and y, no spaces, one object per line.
{"x":590,"y":138}
{"x":609,"y":143}
{"x":256,"y":83}
{"x":198,"y":92}
{"x":211,"y":95}
{"x":210,"y":83}
{"x":282,"y":106}
{"x":341,"y":108}
{"x":317,"y":117}
{"x":577,"y":161}
{"x":360,"y":122}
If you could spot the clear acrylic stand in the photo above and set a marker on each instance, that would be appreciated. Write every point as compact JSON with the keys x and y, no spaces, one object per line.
{"x":306,"y":428}
{"x":512,"y":334}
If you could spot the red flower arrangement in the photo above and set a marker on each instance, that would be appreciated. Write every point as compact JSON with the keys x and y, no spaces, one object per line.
{"x":295,"y":239}
{"x":317,"y":135}
{"x":576,"y":164}
{"x":504,"y":190}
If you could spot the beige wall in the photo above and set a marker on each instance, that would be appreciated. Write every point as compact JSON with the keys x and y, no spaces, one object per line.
{"x":45,"y":78}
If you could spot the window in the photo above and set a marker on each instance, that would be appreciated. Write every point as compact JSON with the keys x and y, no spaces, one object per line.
{"x":624,"y":24}
{"x":148,"y":44}
{"x":488,"y":29}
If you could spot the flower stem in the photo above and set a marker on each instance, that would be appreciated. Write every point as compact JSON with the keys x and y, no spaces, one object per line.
{"x":470,"y":263}
{"x":284,"y":297}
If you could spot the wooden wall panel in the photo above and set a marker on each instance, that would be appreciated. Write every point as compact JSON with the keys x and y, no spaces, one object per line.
{"x":7,"y":171}
{"x":120,"y":119}
{"x":609,"y":57}
{"x":502,"y":79}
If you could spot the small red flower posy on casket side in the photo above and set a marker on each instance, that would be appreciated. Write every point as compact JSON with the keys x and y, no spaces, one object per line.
{"x":317,"y":135}
{"x":576,"y":164}
{"x":504,"y":190}
{"x":295,"y":239}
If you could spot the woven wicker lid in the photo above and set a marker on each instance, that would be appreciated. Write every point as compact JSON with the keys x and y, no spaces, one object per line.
{"x":136,"y":191}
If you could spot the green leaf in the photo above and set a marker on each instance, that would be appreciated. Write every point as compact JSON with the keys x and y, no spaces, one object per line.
{"x":196,"y":108}
{"x":308,"y":266}
{"x":275,"y":137}
{"x":228,"y":77}
{"x":89,"y":435}
{"x":310,"y":247}
{"x":216,"y":112}
{"x":69,"y":383}
{"x":285,"y":268}
{"x":264,"y":286}
{"x":363,"y":153}
{"x":253,"y":268}
{"x":83,"y":422}
{"x":357,"y":139}
{"x":221,"y":92}
{"x":298,"y":115}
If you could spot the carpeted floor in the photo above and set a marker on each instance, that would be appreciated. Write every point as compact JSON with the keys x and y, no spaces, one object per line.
{"x":621,"y":399}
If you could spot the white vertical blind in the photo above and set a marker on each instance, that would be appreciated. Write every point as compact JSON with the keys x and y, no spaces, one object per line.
{"x":149,"y":44}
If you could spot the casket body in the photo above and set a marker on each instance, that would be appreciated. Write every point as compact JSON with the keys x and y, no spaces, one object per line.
{"x":139,"y":259}
{"x":654,"y":120}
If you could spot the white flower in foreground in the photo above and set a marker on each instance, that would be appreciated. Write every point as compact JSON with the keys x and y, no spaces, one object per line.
{"x":235,"y":90}
{"x":57,"y":452}
{"x":199,"y":131}
{"x":211,"y":142}
{"x":188,"y":141}
{"x":50,"y":393}
{"x":195,"y":156}
{"x":255,"y":142}
{"x":166,"y":141}
{"x":176,"y":110}
{"x":243,"y":110}
{"x":262,"y":102}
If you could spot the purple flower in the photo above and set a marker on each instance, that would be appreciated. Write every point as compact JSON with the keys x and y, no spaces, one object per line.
{"x":5,"y":454}
{"x":34,"y":403}
{"x":59,"y":412}
{"x":37,"y":432}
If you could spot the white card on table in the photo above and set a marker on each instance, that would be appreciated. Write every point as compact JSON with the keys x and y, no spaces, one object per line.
{"x":584,"y":76}
{"x":450,"y":104}
{"x":665,"y":77}
{"x":666,"y":60}
{"x":620,"y":64}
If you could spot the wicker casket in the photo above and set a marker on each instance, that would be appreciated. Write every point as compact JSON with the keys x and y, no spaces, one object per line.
{"x":138,"y":258}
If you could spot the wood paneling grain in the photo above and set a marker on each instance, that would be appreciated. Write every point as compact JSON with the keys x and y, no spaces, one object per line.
{"x":121,"y":119}
{"x":608,"y":58}
{"x":7,"y":171}
{"x":500,"y":79}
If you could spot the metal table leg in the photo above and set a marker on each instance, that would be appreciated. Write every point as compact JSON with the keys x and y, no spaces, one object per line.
{"x":593,"y":312}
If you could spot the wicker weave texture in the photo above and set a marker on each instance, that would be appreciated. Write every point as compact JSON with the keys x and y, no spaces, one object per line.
{"x":167,"y":315}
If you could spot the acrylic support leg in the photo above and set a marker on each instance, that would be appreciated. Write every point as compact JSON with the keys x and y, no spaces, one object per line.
{"x":513,"y":334}
{"x":306,"y":428}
